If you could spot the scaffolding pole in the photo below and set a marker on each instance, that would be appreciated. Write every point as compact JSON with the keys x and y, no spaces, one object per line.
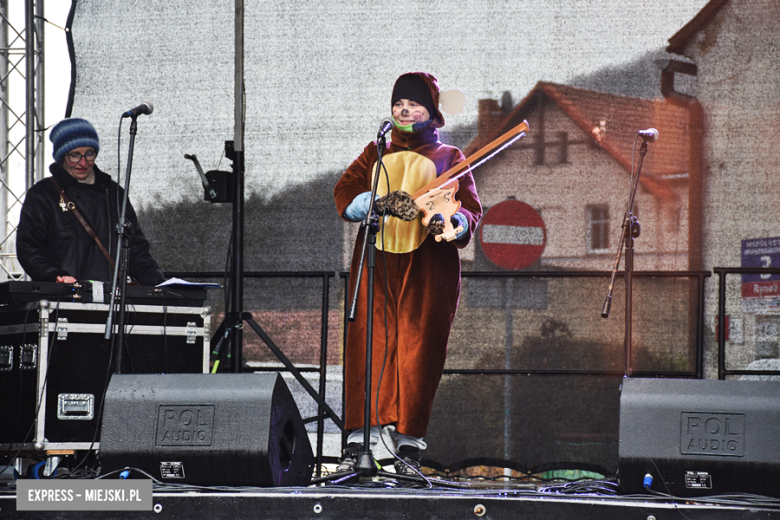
{"x":21,"y":122}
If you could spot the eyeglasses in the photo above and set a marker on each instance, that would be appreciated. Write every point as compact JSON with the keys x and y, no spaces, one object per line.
{"x":75,"y":157}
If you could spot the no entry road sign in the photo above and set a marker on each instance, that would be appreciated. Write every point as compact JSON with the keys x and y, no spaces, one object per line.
{"x":512,"y":235}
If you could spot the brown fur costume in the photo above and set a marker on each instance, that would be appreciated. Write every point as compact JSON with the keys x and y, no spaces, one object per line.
{"x":423,"y":282}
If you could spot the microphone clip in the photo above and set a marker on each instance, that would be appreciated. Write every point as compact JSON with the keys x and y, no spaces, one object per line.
{"x":649,"y":136}
{"x":144,"y":108}
{"x":385,"y":126}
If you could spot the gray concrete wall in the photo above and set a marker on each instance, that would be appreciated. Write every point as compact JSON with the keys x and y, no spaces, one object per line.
{"x":738,"y":85}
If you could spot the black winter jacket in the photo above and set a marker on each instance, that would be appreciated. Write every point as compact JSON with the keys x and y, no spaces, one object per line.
{"x":51,"y":243}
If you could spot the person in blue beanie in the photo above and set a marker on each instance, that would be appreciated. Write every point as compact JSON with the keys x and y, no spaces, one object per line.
{"x":67,"y":227}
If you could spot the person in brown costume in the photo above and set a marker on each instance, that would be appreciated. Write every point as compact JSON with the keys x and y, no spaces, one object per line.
{"x":417,"y":279}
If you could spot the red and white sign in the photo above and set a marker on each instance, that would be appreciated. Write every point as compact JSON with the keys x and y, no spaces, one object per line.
{"x":770,"y":289}
{"x":512,"y":235}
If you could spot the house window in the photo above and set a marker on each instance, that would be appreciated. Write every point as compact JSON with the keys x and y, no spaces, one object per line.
{"x":539,"y":152}
{"x":598,"y":229}
{"x":563,"y":148}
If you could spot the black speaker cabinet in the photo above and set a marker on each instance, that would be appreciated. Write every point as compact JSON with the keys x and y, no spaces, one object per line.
{"x":206,"y":429}
{"x":700,"y":437}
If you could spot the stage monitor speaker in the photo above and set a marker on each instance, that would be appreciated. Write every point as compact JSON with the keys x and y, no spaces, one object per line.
{"x":699,"y":437}
{"x":206,"y":429}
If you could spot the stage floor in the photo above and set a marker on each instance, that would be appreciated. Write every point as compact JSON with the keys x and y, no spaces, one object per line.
{"x":384,"y":499}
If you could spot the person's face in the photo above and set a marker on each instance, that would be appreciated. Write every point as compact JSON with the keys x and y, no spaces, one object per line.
{"x":407,"y":112}
{"x":79,"y":162}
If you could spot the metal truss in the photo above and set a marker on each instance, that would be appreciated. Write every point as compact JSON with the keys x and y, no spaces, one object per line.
{"x":21,"y":121}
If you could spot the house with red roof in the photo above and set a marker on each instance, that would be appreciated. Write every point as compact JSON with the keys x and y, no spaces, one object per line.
{"x":575,"y":167}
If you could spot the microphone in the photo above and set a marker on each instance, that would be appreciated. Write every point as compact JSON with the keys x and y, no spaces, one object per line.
{"x":144,"y":108}
{"x":650,"y":135}
{"x":384,"y":127}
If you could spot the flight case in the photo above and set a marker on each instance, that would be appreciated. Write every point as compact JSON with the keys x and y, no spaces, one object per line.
{"x":55,"y":365}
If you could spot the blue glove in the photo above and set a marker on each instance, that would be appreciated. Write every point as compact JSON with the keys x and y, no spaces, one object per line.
{"x":358,"y":208}
{"x":462,"y":221}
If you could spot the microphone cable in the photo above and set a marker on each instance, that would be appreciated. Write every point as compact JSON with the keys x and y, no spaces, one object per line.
{"x":384,"y":360}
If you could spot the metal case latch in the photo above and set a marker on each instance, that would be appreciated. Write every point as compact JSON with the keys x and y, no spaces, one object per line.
{"x":6,"y":358}
{"x":28,"y":357}
{"x":62,"y":329}
{"x":192,"y":332}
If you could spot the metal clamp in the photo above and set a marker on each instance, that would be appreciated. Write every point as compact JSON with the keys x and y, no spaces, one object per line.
{"x":206,"y":315}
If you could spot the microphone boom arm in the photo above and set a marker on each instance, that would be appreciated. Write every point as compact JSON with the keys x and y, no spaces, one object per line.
{"x":203,"y":179}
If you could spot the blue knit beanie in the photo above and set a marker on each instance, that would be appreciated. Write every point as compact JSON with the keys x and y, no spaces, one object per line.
{"x":70,"y":134}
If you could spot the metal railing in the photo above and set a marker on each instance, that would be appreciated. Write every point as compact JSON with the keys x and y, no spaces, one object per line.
{"x":326,"y":276}
{"x":700,"y":276}
{"x":722,"y":273}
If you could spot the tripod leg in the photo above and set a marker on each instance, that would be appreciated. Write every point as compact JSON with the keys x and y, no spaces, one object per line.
{"x":218,"y":336}
{"x":222,"y":336}
{"x":294,"y":371}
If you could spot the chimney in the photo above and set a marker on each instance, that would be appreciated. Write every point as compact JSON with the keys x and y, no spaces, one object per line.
{"x":490,"y":116}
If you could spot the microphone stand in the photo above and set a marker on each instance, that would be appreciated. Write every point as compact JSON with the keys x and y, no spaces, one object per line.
{"x":231,"y":331}
{"x":370,"y":226}
{"x":630,"y":231}
{"x":119,"y":280}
